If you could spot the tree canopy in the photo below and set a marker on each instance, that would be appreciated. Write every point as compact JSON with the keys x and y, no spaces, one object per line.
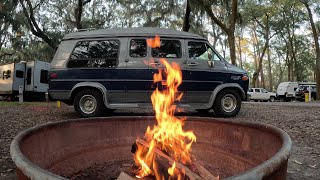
{"x":273,"y":40}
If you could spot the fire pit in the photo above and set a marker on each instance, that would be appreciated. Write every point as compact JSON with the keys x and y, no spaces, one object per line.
{"x":228,"y":148}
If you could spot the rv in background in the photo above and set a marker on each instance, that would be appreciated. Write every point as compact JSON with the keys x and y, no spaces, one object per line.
{"x":286,"y":91}
{"x":32,"y":76}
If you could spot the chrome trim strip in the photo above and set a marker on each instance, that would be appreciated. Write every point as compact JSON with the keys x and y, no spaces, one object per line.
{"x":132,"y":80}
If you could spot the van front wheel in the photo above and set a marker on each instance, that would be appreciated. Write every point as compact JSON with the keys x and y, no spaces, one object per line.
{"x":89,"y":103}
{"x":227,"y":103}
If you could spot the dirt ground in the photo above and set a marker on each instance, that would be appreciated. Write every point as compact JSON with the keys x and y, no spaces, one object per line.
{"x":300,"y":120}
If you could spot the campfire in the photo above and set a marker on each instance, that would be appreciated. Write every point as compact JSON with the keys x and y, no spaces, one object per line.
{"x":165,"y":150}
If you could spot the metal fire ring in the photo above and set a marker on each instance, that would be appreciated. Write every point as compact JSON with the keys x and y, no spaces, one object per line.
{"x":34,"y":172}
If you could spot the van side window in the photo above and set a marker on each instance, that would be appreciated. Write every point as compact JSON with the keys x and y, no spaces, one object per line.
{"x":201,"y":51}
{"x":168,"y":49}
{"x":257,"y":90}
{"x":138,"y":48}
{"x":91,"y":54}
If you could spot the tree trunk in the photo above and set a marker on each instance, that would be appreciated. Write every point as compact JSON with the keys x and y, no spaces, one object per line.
{"x":186,"y":20}
{"x":240,"y":51}
{"x":255,"y":76}
{"x":255,"y":57}
{"x":269,"y":71}
{"x":280,"y":73}
{"x":266,"y":45}
{"x":78,"y":12}
{"x":227,"y":27}
{"x":316,"y":42}
{"x":231,"y":41}
{"x":263,"y":82}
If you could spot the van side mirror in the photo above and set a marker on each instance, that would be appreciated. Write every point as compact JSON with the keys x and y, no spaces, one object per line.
{"x":210,"y":56}
{"x":210,"y":60}
{"x":210,"y":63}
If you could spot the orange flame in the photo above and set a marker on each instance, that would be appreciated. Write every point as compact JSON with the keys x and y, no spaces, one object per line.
{"x":168,"y":134}
{"x":154,"y":42}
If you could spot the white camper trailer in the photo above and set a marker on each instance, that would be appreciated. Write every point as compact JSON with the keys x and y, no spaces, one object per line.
{"x":32,"y":76}
{"x":286,"y":91}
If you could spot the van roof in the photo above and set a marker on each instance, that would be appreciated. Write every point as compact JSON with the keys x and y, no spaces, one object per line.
{"x":132,"y":32}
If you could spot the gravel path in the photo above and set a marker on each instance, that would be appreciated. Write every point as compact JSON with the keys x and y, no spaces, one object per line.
{"x":300,"y":121}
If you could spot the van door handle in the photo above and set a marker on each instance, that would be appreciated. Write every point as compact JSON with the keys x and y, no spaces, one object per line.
{"x":193,"y":64}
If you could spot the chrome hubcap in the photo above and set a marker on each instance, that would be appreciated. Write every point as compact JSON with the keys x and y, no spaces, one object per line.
{"x":228,"y":103}
{"x":88,"y":104}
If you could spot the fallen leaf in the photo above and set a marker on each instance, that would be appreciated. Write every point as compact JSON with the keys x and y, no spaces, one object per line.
{"x":297,"y":162}
{"x":313,"y":166}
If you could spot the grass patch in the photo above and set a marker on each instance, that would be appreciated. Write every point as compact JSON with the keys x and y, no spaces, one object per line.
{"x":14,"y":103}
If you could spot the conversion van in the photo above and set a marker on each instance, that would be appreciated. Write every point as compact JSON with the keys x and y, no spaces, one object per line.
{"x":102,"y":70}
{"x":31,"y":76}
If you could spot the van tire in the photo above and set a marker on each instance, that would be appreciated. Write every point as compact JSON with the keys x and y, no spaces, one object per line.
{"x":89,"y":103}
{"x":227,"y":103}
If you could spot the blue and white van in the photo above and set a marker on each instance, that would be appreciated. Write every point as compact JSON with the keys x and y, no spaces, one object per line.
{"x":100,"y":71}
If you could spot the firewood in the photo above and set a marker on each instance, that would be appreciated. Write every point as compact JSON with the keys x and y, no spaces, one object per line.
{"x":203,"y":172}
{"x":191,"y":175}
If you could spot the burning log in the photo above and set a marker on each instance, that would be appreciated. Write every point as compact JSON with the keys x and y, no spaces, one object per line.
{"x":194,"y":171}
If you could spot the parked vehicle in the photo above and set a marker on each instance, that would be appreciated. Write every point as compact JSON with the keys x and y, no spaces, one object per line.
{"x":31,"y":76}
{"x":304,"y":89}
{"x":260,"y":94}
{"x":286,"y":91}
{"x":103,"y":70}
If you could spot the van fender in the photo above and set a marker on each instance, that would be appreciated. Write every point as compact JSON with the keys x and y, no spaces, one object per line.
{"x":224,"y":86}
{"x":98,"y":86}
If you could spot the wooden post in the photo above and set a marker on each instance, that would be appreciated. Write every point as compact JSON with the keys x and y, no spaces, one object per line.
{"x":20,"y":94}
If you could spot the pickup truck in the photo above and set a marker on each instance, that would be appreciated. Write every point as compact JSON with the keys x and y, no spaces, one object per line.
{"x":260,"y":94}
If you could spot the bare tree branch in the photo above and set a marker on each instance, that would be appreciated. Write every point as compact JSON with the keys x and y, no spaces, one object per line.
{"x":215,"y":19}
{"x":34,"y":27}
{"x":7,"y":54}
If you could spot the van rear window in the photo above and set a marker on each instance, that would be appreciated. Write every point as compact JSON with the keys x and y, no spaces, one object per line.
{"x":91,"y":54}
